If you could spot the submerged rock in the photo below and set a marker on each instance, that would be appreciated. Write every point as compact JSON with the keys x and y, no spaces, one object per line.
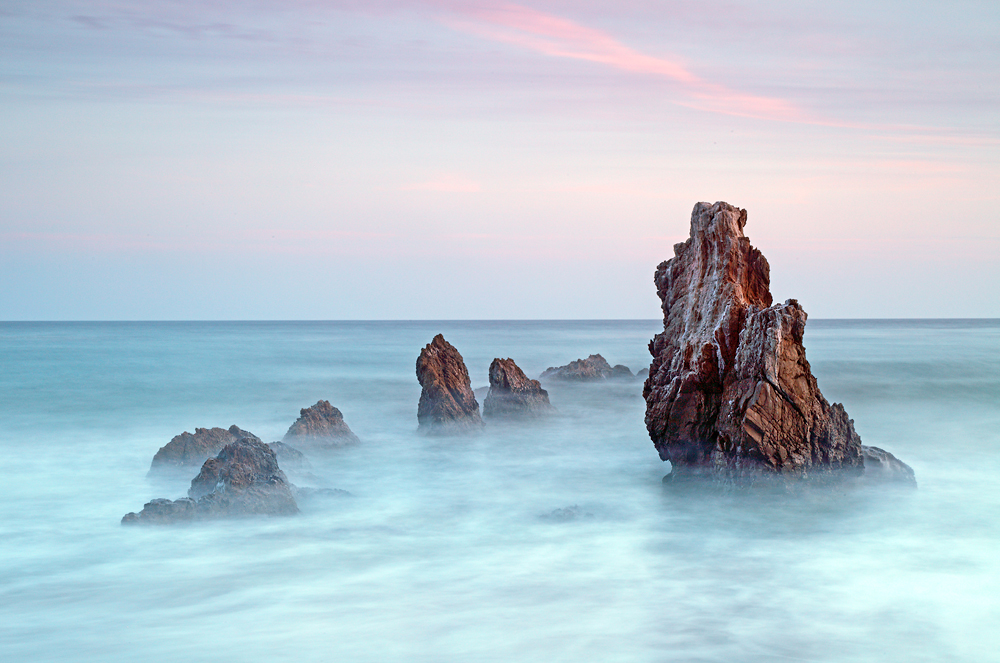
{"x":594,"y":367}
{"x":288,"y":456}
{"x":187,"y":450}
{"x":730,"y":393}
{"x":567,"y":514}
{"x":447,"y":404}
{"x":321,"y":426}
{"x":242,"y":480}
{"x":512,"y":394}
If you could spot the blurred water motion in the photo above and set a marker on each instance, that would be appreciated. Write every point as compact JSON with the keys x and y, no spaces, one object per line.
{"x":547,"y":541}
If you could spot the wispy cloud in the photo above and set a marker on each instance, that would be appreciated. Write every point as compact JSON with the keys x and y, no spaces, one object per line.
{"x":559,"y":37}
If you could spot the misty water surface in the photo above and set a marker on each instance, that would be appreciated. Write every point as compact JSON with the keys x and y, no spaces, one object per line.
{"x":468,"y":549}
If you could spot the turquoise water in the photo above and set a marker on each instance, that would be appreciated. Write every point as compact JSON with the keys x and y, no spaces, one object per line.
{"x":444,"y":552}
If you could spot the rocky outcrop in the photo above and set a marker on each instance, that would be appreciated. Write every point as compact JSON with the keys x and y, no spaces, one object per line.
{"x":730,"y":393}
{"x":187,"y":450}
{"x":594,"y":367}
{"x":321,"y":426}
{"x":242,"y":480}
{"x":512,"y":394}
{"x":447,"y":404}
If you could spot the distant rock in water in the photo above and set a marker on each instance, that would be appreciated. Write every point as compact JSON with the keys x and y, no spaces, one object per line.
{"x":567,"y":514}
{"x":187,"y":450}
{"x":321,"y":426}
{"x":512,"y":394}
{"x":730,"y":394}
{"x":447,"y":404}
{"x":243,"y":480}
{"x":594,"y":367}
{"x":288,"y":456}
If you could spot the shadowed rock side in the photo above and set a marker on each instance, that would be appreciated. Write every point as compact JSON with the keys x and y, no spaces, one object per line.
{"x":447,"y":404}
{"x":730,"y":393}
{"x":321,"y":426}
{"x":512,"y":394}
{"x":187,"y":450}
{"x":594,"y":367}
{"x":243,"y":480}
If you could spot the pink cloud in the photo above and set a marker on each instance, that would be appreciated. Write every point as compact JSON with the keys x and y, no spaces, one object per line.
{"x":559,"y":37}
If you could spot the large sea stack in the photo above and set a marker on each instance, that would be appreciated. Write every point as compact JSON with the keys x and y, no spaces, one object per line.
{"x":243,"y":480}
{"x":447,"y":404}
{"x":512,"y":394}
{"x":321,"y":426}
{"x":730,"y":394}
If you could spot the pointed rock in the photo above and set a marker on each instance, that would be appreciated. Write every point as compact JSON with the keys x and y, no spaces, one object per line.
{"x":447,"y":404}
{"x":187,"y":450}
{"x":512,"y":394}
{"x":321,"y":426}
{"x":594,"y":367}
{"x":730,"y":393}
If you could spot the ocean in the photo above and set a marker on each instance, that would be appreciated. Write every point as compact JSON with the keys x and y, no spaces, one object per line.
{"x":550,"y":541}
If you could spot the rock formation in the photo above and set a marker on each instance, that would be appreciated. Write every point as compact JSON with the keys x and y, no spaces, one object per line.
{"x":512,"y":395}
{"x":730,"y":393}
{"x":594,"y":367}
{"x":187,"y":450}
{"x":243,"y":480}
{"x":321,"y":426}
{"x":447,"y":404}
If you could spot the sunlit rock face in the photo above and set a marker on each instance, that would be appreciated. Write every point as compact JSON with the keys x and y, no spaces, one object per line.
{"x":447,"y":405}
{"x":187,"y":450}
{"x":321,"y":426}
{"x":242,"y":480}
{"x":512,"y":394}
{"x":730,"y":394}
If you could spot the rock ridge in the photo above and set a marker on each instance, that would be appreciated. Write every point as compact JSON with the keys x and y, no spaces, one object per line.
{"x":594,"y":367}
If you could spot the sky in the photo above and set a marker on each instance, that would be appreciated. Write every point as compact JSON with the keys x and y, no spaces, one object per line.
{"x":398,"y":159}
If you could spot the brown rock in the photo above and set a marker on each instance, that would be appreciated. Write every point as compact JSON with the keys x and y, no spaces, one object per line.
{"x":512,"y":395}
{"x":594,"y":367}
{"x":243,"y":480}
{"x":447,"y":404}
{"x":187,"y":450}
{"x":730,"y":393}
{"x":321,"y":426}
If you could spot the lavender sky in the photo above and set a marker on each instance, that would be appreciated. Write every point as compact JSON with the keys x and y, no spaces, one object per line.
{"x":292,"y":159}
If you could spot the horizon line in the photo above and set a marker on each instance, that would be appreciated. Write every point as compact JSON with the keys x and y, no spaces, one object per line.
{"x":446,"y":320}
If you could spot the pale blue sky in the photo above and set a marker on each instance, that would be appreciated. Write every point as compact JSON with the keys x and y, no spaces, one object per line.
{"x":344,"y":160}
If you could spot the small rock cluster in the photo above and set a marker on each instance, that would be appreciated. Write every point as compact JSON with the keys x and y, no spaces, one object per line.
{"x":448,"y":405}
{"x":240,"y":475}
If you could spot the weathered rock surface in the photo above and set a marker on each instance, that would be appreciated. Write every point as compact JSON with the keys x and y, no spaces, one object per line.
{"x":730,"y":393}
{"x":187,"y":450}
{"x":447,"y":404}
{"x":243,"y":480}
{"x":321,"y":426}
{"x":512,"y":394}
{"x":594,"y":367}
